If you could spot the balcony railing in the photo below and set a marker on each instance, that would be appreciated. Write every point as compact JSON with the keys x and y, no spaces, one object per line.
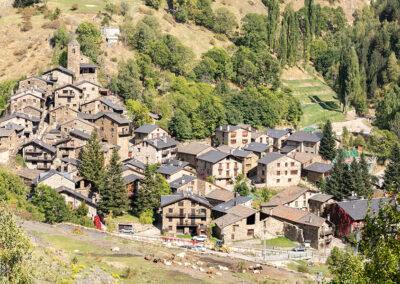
{"x":33,"y":151}
{"x":175,"y":215}
{"x":197,"y":215}
{"x":39,"y":158}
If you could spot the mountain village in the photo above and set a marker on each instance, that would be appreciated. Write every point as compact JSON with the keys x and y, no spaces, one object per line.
{"x":52,"y":116}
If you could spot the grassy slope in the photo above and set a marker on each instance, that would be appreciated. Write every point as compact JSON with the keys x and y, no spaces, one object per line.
{"x":319,"y":102}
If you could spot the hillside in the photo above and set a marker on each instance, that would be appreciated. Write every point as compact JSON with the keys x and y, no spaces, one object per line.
{"x":27,"y":53}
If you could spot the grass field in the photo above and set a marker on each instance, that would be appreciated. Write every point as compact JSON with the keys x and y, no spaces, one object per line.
{"x":319,"y":102}
{"x":280,"y":242}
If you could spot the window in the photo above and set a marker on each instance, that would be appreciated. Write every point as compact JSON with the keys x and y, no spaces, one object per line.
{"x":304,"y":203}
{"x":286,"y":164}
{"x":292,"y":164}
{"x":289,"y":180}
{"x":294,"y":172}
{"x":278,"y":180}
{"x":227,"y":173}
{"x":278,"y":173}
{"x":250,"y":232}
{"x":169,"y":228}
{"x":170,"y":220}
{"x":278,"y":165}
{"x":227,"y":165}
{"x":193,"y":204}
{"x":232,"y":236}
{"x":181,"y":211}
{"x":180,"y":203}
{"x":296,"y":204}
{"x":286,"y":172}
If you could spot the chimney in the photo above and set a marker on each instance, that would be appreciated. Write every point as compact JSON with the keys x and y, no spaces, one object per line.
{"x":231,"y":151}
{"x":310,"y":219}
{"x":183,"y":181}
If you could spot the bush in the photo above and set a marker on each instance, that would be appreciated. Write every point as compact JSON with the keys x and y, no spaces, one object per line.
{"x":153,"y":3}
{"x":146,"y":217}
{"x":24,"y":3}
{"x":224,"y":21}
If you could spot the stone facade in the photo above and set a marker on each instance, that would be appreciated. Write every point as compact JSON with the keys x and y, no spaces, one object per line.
{"x":22,"y":100}
{"x":281,"y":172}
{"x":59,"y":76}
{"x":233,"y":136}
{"x":69,"y":96}
{"x":79,"y":124}
{"x":185,"y":217}
{"x":38,"y":156}
{"x":62,"y":114}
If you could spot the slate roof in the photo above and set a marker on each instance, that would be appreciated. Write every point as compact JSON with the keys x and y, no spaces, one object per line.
{"x":111,"y":104}
{"x":234,"y":215}
{"x":118,"y":118}
{"x":71,"y":161}
{"x":20,"y":115}
{"x":68,"y":85}
{"x":358,"y":209}
{"x":185,"y":179}
{"x":221,"y":195}
{"x":79,"y":134}
{"x":29,"y":174}
{"x":63,"y":189}
{"x":62,"y":69}
{"x":87,"y":65}
{"x":277,"y":133}
{"x":170,"y":199}
{"x":270,"y":157}
{"x":213,"y":156}
{"x":162,"y":143}
{"x":193,"y":148}
{"x":257,"y":147}
{"x":228,"y":128}
{"x":286,"y":196}
{"x":86,"y":81}
{"x":287,"y":149}
{"x":295,"y":215}
{"x":224,"y":207}
{"x":50,"y":173}
{"x":169,"y":169}
{"x":40,"y":78}
{"x":319,"y":168}
{"x":135,"y":163}
{"x":41,"y":144}
{"x":14,"y":126}
{"x":26,"y":93}
{"x":321,"y":197}
{"x":302,"y":136}
{"x":130,"y":178}
{"x":146,"y":128}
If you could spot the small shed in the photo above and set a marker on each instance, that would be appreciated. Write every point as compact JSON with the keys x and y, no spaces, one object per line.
{"x":111,"y":35}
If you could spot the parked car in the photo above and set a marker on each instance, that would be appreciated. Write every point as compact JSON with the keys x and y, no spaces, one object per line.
{"x":125,"y":229}
{"x":200,"y":238}
{"x":199,"y":248}
{"x":299,"y":248}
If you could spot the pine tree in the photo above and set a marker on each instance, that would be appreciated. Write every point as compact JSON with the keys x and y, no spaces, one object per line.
{"x":356,"y":179}
{"x":327,"y":148}
{"x":272,"y":21}
{"x":148,"y":196}
{"x":393,"y":68}
{"x":114,"y":196}
{"x":339,"y":182}
{"x":392,"y":172}
{"x":366,"y":178}
{"x":92,"y":162}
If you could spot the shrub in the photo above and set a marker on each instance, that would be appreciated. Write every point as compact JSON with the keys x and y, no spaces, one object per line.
{"x":24,"y":3}
{"x":146,"y":217}
{"x":224,"y":21}
{"x":153,"y":3}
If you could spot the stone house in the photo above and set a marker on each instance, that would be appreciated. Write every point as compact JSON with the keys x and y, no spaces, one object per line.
{"x":233,"y":135}
{"x":89,"y":89}
{"x":28,"y":176}
{"x":132,"y":184}
{"x":149,"y":131}
{"x":152,"y":151}
{"x":32,"y":111}
{"x":114,"y":129}
{"x":21,"y":100}
{"x":278,"y":136}
{"x":16,"y":127}
{"x":293,"y":196}
{"x":223,"y":167}
{"x":222,"y":208}
{"x":317,"y":171}
{"x":69,"y":165}
{"x":185,"y":214}
{"x":136,"y":166}
{"x":305,"y":159}
{"x":259,"y":149}
{"x":8,"y":138}
{"x":79,"y":64}
{"x":248,"y":159}
{"x":320,"y":203}
{"x":74,"y":199}
{"x":79,"y":124}
{"x":37,"y":83}
{"x":239,"y":223}
{"x":68,"y":95}
{"x":38,"y":155}
{"x":191,"y":151}
{"x":30,"y":124}
{"x":277,"y":170}
{"x":55,"y":179}
{"x":261,"y":137}
{"x":175,"y":169}
{"x":60,"y":76}
{"x":219,"y":195}
{"x":101,"y":104}
{"x":304,"y":142}
{"x":67,"y":148}
{"x":185,"y":183}
{"x":61,"y":114}
{"x":299,"y":225}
